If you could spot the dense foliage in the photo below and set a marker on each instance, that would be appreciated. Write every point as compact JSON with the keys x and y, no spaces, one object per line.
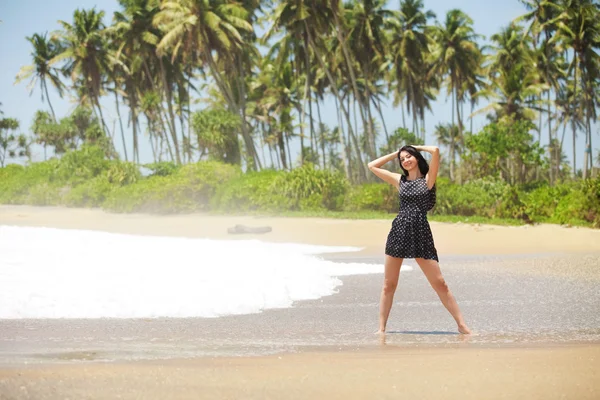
{"x":84,"y":178}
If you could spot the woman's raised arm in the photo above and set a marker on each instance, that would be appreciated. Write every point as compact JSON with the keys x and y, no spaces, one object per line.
{"x":390,"y":177}
{"x":434,"y":165}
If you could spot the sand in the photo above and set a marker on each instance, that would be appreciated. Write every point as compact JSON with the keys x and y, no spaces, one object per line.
{"x":450,"y":238}
{"x":444,"y":366}
{"x":388,"y":373}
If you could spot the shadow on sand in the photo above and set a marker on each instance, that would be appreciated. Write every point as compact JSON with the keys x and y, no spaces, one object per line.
{"x":421,"y":333}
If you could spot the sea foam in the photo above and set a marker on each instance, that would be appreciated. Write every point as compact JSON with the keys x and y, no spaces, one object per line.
{"x":61,"y":273}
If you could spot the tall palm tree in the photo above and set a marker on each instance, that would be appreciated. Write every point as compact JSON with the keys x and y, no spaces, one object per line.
{"x":569,"y":111}
{"x":367,"y":21}
{"x":449,"y":136}
{"x":410,"y":44}
{"x":136,"y":36}
{"x":540,"y":17}
{"x":292,"y":50}
{"x":579,"y":29}
{"x":210,"y":34}
{"x":457,"y":57}
{"x":44,"y":50}
{"x":311,"y":20}
{"x":86,"y":54}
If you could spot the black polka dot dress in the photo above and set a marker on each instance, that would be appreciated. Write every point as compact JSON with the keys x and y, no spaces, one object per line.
{"x":410,"y":236}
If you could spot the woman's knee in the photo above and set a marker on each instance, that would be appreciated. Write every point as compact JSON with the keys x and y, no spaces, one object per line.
{"x":439,"y":285}
{"x":389,"y":286}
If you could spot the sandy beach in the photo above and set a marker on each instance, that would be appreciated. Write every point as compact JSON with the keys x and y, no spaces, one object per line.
{"x":450,"y":238}
{"x":530,"y":293}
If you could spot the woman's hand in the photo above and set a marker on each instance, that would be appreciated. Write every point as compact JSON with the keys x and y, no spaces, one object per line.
{"x":429,"y":149}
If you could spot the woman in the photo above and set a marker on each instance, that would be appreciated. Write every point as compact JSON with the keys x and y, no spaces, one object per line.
{"x":410,"y":236}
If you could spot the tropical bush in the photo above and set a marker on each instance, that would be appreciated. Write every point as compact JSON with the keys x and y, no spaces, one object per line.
{"x":253,"y":191}
{"x":372,"y":196}
{"x":189,"y":189}
{"x":84,"y":178}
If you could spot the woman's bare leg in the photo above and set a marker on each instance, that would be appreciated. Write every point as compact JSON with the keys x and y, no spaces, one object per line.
{"x":431,"y":269}
{"x":390,"y":282}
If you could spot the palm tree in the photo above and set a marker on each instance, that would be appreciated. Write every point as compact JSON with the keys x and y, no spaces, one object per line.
{"x":86,"y":54}
{"x":136,"y":37}
{"x":210,"y":35}
{"x":311,"y":21}
{"x":7,"y":140}
{"x":44,"y":50}
{"x":541,"y":15}
{"x":515,"y":86}
{"x":457,"y":57}
{"x":569,"y":111}
{"x":367,"y":22}
{"x":579,"y":29}
{"x":449,"y":135}
{"x":292,"y":50}
{"x":409,"y":59}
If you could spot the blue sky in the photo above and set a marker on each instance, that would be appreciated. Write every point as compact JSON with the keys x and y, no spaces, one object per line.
{"x":25,"y":17}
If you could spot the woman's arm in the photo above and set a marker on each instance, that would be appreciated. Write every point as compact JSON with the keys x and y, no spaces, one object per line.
{"x":434,"y":165}
{"x":390,"y":177}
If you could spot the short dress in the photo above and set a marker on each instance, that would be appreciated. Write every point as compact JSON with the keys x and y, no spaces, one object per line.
{"x":410,"y":235}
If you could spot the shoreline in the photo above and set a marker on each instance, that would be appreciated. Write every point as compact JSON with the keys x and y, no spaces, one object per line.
{"x":369,"y":235}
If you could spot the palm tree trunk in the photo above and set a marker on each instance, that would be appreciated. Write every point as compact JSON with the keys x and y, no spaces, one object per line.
{"x":164,"y":137}
{"x":368,"y":131}
{"x":344,"y":152}
{"x":189,"y":117}
{"x":105,"y":128}
{"x":378,"y":107}
{"x":302,"y":115}
{"x":120,"y":122}
{"x":458,"y":116}
{"x":452,"y":156}
{"x":240,"y":80}
{"x":321,"y":135}
{"x":287,"y":143}
{"x":471,"y":116}
{"x":171,"y":123}
{"x":573,"y":116}
{"x":550,"y":140}
{"x":335,"y":90}
{"x":48,"y":98}
{"x":453,"y":101}
{"x":134,"y":124}
{"x":370,"y":117}
{"x":282,"y":154}
{"x":308,"y":93}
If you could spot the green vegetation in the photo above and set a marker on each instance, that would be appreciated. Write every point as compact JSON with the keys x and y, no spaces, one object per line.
{"x":84,"y":178}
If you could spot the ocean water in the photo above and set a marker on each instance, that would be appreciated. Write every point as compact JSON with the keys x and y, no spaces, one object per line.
{"x":48,"y":273}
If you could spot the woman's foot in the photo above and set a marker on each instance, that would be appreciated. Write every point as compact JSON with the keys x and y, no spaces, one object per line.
{"x":464,"y":329}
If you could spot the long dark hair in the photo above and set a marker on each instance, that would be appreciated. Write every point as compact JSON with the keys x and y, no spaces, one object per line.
{"x":421,"y":162}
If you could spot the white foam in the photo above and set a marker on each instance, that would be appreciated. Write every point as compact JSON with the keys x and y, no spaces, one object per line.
{"x":55,"y":273}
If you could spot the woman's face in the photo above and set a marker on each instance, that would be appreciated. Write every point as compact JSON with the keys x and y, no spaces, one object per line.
{"x":408,"y":161}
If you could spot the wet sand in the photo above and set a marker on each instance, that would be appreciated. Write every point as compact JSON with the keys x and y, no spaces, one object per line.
{"x":530,"y":293}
